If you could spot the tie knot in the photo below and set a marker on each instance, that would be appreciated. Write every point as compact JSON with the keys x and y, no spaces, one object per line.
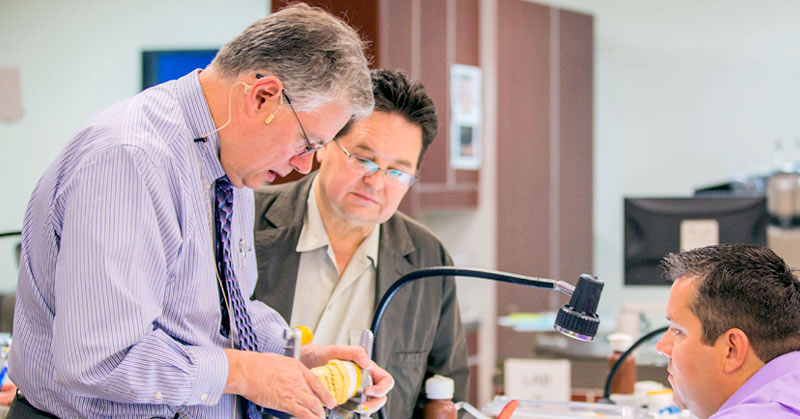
{"x":224,"y":195}
{"x":224,"y":186}
{"x":224,"y":182}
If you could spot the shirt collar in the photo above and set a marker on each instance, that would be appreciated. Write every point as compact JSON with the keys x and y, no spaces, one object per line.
{"x":779,"y":366}
{"x":313,"y":235}
{"x":199,"y":122}
{"x":369,"y":246}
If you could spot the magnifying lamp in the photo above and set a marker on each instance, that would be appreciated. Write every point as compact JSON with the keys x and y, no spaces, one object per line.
{"x":577,"y":319}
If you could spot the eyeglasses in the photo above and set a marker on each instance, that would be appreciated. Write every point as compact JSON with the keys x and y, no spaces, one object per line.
{"x":367,"y":167}
{"x":309,"y":147}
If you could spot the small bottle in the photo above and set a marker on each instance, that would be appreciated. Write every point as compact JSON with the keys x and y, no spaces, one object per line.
{"x":440,"y":405}
{"x":625,"y":378}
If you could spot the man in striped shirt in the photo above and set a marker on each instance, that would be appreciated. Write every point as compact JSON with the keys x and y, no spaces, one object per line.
{"x":119,"y":309}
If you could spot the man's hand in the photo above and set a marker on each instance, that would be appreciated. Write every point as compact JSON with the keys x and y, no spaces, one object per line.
{"x":277,"y":382}
{"x":315,"y":356}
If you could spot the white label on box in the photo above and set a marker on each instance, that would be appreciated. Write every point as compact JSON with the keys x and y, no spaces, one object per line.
{"x":537,"y":379}
{"x":699,"y":233}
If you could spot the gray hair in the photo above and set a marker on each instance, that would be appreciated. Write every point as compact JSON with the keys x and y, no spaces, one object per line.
{"x":319,"y":58}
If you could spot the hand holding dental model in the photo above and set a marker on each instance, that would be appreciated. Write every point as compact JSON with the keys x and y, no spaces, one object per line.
{"x":356,"y":383}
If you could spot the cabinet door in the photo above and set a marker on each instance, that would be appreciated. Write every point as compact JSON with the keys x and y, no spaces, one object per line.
{"x":544,"y":152}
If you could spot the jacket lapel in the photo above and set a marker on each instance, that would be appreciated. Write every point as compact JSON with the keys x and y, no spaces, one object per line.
{"x":279,"y":221}
{"x":394,"y":261}
{"x":277,"y":259}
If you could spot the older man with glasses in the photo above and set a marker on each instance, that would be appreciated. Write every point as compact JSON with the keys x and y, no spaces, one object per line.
{"x":328,"y":247}
{"x":137,"y":247}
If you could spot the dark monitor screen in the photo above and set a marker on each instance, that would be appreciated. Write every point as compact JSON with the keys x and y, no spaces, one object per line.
{"x":655,"y":227}
{"x":161,"y":66}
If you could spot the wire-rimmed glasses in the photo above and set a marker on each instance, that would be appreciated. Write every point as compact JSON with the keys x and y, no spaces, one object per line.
{"x":367,"y":167}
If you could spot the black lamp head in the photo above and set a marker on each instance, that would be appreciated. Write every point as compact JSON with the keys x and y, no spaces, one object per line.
{"x":578,"y":319}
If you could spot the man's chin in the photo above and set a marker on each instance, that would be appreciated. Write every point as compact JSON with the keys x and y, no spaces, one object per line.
{"x":361,"y":217}
{"x":256,"y":181}
{"x":676,"y":398}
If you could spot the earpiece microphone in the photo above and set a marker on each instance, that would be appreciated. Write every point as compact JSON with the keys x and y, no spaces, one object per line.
{"x":267,"y":120}
{"x":271,"y":116}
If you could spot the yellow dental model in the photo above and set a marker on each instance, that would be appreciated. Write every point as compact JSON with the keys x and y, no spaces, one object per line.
{"x":345,"y":380}
{"x":341,"y":378}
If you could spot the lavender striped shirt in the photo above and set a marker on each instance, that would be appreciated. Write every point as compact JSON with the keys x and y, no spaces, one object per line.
{"x":117,"y":310}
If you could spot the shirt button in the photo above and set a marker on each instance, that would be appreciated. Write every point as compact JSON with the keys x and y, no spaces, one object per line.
{"x":203,"y":397}
{"x":158,"y":395}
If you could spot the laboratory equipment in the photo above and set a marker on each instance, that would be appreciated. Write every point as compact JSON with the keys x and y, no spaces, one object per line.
{"x":577,"y":319}
{"x":783,"y":204}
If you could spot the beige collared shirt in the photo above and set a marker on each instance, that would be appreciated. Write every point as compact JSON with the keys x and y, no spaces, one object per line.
{"x":335,"y":309}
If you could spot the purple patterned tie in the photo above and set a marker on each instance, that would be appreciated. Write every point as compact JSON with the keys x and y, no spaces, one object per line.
{"x":246,"y":337}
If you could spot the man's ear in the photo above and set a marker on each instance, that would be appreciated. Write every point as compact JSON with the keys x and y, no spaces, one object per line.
{"x":265,"y":95}
{"x":737,"y":346}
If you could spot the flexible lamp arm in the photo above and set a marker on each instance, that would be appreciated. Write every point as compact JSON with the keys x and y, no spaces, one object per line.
{"x":583,"y":303}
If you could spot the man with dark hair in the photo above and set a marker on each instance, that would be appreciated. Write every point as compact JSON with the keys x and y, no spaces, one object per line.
{"x":329,"y":246}
{"x":734,"y":338}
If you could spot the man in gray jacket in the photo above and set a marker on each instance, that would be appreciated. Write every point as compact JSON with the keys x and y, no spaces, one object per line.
{"x":330,"y":245}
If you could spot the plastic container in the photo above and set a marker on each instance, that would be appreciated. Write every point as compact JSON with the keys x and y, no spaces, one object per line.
{"x":625,"y":378}
{"x":439,"y":390}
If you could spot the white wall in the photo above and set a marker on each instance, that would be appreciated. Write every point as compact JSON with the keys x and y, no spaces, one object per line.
{"x":687,"y":93}
{"x":77,"y":57}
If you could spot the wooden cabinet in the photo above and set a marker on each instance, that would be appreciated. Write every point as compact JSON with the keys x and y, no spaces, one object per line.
{"x":545,"y":146}
{"x":426,"y":43}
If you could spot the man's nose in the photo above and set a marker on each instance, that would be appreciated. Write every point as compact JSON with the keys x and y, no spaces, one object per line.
{"x":302,"y":163}
{"x":375,"y":180}
{"x":664,"y":345}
